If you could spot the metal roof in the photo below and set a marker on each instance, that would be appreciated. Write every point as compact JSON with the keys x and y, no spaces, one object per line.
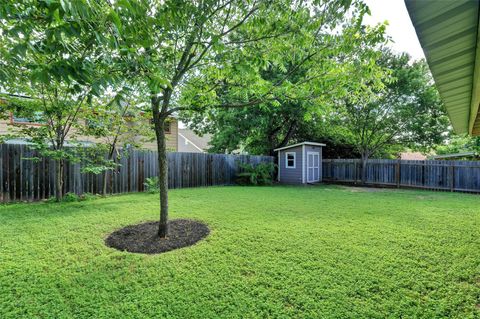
{"x":464,"y":154}
{"x":448,"y":33}
{"x":298,"y":144}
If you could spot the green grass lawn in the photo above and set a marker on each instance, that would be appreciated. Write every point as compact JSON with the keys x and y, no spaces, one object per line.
{"x":302,"y":252}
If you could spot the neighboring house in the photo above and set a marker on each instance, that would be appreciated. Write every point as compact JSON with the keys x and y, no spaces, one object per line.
{"x":412,"y":156}
{"x":190,"y":142}
{"x":10,"y":124}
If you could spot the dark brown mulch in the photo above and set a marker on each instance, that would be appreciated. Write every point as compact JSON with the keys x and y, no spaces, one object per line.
{"x":143,"y":238}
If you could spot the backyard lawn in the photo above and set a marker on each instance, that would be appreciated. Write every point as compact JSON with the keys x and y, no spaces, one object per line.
{"x":302,"y":252}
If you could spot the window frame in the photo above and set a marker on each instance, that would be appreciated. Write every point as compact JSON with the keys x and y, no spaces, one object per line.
{"x":13,"y":121}
{"x":167,"y":128}
{"x":294,"y":159}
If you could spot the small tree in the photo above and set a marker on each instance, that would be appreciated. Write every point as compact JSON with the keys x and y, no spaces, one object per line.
{"x":116,"y":122}
{"x":50,"y":54}
{"x":52,"y":122}
{"x":407,"y":112}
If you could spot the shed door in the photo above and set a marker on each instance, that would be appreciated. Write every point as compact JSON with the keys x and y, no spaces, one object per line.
{"x":313,"y":167}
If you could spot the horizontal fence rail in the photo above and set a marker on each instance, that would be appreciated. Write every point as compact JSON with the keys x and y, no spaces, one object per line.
{"x":24,"y":179}
{"x":462,"y":176}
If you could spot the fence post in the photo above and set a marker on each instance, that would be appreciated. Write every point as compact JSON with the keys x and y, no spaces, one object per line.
{"x":423,"y":173}
{"x":452,"y":177}
{"x":397,"y":173}
{"x":358,"y":172}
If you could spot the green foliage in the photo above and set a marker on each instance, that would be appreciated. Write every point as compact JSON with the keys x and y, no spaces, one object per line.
{"x":459,"y":144}
{"x":152,"y":185}
{"x":278,"y":252}
{"x":54,"y":53}
{"x":407,"y":112}
{"x":72,"y":197}
{"x":88,"y":196}
{"x":67,"y":198}
{"x":95,"y":158}
{"x":259,"y":174}
{"x":296,"y":90}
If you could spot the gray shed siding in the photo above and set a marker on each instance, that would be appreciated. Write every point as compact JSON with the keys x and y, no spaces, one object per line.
{"x":291,"y":175}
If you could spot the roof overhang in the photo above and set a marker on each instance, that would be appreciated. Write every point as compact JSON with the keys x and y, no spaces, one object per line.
{"x":298,"y":144}
{"x":449,"y":34}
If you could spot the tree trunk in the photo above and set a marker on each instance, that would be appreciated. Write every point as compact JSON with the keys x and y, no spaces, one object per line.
{"x":105,"y":182}
{"x":109,"y":158}
{"x":364,"y":167}
{"x":59,"y":180}
{"x":162,"y":178}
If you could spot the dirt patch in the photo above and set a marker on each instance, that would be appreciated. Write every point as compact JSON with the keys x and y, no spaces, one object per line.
{"x":359,"y":189}
{"x":143,"y":238}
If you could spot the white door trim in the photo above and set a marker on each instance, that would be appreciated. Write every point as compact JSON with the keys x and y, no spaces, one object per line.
{"x":311,"y":179}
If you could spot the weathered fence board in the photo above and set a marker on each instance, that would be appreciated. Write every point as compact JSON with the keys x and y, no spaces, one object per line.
{"x":461,"y":176}
{"x":24,"y":179}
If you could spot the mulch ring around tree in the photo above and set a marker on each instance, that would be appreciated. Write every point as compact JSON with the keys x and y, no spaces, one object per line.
{"x":143,"y":238}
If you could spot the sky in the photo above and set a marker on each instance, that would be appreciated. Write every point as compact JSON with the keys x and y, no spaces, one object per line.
{"x":399,"y":28}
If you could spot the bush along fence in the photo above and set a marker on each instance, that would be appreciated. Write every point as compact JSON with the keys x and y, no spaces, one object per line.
{"x":24,"y":179}
{"x":462,"y":176}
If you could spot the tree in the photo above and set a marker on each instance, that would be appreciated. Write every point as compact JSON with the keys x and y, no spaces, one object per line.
{"x":304,"y":104}
{"x":183,"y":52}
{"x":407,"y":111}
{"x":50,"y":55}
{"x":116,"y":122}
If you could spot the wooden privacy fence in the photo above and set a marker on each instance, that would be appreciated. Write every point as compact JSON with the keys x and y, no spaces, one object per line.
{"x":463,"y":176}
{"x":27,"y":180}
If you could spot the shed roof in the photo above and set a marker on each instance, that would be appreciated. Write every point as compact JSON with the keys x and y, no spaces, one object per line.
{"x":448,"y":33}
{"x":298,"y":144}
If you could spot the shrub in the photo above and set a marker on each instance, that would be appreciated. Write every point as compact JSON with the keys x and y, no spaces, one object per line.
{"x":67,"y":198}
{"x":260,"y":174}
{"x":152,"y":185}
{"x":70,"y":197}
{"x":88,"y":196}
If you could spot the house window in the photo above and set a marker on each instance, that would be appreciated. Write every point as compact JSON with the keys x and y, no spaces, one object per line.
{"x":167,"y":128}
{"x":33,"y":118}
{"x":290,"y":159}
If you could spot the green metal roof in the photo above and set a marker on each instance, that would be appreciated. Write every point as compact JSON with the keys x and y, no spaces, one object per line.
{"x":448,"y":33}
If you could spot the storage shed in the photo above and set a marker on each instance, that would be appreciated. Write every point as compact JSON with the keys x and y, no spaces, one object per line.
{"x":300,"y":163}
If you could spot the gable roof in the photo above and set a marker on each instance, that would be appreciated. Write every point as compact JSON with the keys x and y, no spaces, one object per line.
{"x":190,"y":142}
{"x":448,"y":33}
{"x":412,"y":156}
{"x":298,"y":144}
